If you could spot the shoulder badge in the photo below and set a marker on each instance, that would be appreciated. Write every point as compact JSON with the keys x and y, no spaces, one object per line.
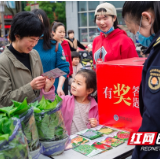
{"x":63,"y":55}
{"x":154,"y":80}
{"x":157,"y":42}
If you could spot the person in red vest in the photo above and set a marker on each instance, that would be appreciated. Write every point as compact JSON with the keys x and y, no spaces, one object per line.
{"x":112,"y":43}
{"x":58,"y":32}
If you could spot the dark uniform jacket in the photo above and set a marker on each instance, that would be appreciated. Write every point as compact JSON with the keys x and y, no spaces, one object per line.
{"x":149,"y":97}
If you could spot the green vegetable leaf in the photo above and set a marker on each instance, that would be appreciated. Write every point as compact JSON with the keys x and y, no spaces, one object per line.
{"x":47,"y":104}
{"x":4,"y":137}
{"x":58,"y":99}
{"x":59,"y":131}
{"x":23,"y":107}
{"x":35,"y":104}
{"x":7,"y":126}
{"x":1,"y":124}
{"x":36,"y":110}
{"x":16,"y":104}
{"x":51,"y":105}
{"x":42,"y":104}
{"x":2,"y":115}
{"x":6,"y":110}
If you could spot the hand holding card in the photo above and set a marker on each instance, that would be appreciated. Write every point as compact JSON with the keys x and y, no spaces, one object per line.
{"x":49,"y":84}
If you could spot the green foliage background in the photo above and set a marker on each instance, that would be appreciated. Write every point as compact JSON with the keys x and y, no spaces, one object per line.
{"x":50,"y":8}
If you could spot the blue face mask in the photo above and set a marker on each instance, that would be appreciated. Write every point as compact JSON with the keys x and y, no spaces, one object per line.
{"x":109,"y":31}
{"x":144,"y":41}
{"x":41,"y":35}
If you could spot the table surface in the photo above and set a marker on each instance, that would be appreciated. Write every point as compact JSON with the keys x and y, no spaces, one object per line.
{"x":113,"y":153}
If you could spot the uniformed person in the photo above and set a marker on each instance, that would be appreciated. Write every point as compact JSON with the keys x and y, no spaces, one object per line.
{"x":143,"y":19}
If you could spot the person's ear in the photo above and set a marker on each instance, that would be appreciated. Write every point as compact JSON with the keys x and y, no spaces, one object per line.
{"x":53,"y":33}
{"x":17,"y":37}
{"x":146,"y":17}
{"x":114,"y":18}
{"x":90,"y":90}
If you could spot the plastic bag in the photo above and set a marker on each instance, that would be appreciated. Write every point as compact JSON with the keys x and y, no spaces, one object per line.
{"x":37,"y":154}
{"x":52,"y":148}
{"x":30,"y":129}
{"x":16,"y":147}
{"x":50,"y":124}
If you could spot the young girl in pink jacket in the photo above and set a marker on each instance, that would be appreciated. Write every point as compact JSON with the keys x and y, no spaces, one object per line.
{"x":80,"y":111}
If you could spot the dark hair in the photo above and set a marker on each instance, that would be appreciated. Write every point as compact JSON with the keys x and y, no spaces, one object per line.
{"x":25,"y":24}
{"x":75,"y":54}
{"x":135,"y":9}
{"x":46,"y":37}
{"x":104,"y":10}
{"x":55,"y":25}
{"x":70,"y":31}
{"x":90,"y":75}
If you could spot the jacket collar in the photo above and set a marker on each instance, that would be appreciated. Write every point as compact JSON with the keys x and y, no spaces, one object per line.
{"x":65,"y":42}
{"x":92,"y":101}
{"x":149,"y":50}
{"x":17,"y":63}
{"x":152,"y":43}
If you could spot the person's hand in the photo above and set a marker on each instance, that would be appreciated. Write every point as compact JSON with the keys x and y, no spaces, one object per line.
{"x":78,"y":50}
{"x":38,"y":83}
{"x":89,"y":49}
{"x":93,"y":122}
{"x":60,"y":91}
{"x":49,"y":83}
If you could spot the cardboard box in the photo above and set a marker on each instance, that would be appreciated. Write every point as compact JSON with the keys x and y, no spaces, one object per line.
{"x":118,"y":85}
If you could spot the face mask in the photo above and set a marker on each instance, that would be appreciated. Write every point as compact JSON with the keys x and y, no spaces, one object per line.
{"x":41,"y":35}
{"x":109,"y":31}
{"x":144,"y":41}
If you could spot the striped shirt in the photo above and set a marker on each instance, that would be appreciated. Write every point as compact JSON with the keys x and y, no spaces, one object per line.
{"x":80,"y":117}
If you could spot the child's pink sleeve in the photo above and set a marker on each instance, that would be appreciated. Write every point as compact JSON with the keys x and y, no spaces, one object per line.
{"x":48,"y":95}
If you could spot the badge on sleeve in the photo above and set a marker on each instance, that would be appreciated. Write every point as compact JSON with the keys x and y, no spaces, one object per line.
{"x":63,"y":56}
{"x":154,"y":80}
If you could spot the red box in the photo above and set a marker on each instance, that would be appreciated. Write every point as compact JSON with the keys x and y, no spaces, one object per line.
{"x":118,"y":93}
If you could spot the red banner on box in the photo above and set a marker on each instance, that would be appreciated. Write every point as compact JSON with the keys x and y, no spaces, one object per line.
{"x":118,"y":93}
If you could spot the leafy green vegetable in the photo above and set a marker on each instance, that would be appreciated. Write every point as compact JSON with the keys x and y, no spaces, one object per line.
{"x":16,"y":148}
{"x":36,"y":110}
{"x":42,"y":103}
{"x":4,"y":137}
{"x":6,"y":128}
{"x":46,"y":104}
{"x":6,"y":110}
{"x":16,"y":104}
{"x":2,"y":115}
{"x":21,"y":110}
{"x":50,"y":125}
{"x":16,"y":109}
{"x":21,"y":107}
{"x":35,"y":104}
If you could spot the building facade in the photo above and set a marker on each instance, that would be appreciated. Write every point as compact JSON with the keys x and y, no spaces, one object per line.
{"x":11,"y":8}
{"x":80,"y":18}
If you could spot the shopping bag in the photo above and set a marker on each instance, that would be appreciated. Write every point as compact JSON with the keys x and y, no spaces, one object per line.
{"x":16,"y":147}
